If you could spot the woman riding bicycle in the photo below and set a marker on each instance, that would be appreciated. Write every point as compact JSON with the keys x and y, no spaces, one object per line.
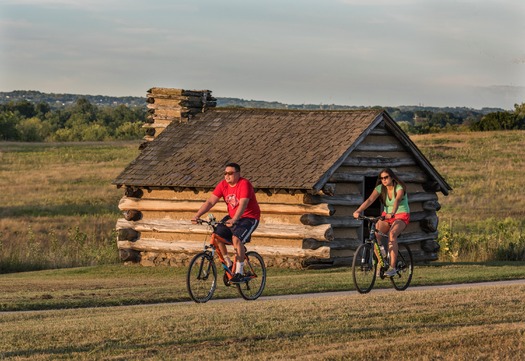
{"x":396,"y":212}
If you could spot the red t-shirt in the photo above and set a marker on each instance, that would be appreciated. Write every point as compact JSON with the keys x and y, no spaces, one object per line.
{"x":233,"y":195}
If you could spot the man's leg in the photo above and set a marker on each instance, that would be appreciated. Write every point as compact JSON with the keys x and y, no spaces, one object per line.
{"x":239,"y":251}
{"x":224,"y":251}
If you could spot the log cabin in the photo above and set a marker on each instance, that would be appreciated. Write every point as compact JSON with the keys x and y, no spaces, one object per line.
{"x":310,"y":170}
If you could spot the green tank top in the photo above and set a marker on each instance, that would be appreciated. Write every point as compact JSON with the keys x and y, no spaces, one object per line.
{"x":389,"y":203}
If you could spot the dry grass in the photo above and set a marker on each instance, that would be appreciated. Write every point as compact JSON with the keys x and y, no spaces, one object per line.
{"x":461,"y":324}
{"x":60,"y":207}
{"x":486,"y":171}
{"x":484,"y":216}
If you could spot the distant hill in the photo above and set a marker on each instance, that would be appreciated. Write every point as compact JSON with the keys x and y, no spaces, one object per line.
{"x":62,"y":100}
{"x":56,"y":100}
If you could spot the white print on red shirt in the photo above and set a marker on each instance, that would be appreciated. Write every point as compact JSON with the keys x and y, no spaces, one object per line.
{"x":232,"y":200}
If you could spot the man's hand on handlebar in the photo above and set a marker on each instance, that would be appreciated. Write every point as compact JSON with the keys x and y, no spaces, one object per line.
{"x":196,"y":220}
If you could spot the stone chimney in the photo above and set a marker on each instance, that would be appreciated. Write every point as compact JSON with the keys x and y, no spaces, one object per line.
{"x":166,"y":105}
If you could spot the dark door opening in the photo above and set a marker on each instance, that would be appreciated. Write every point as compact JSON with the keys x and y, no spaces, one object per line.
{"x":375,"y":209}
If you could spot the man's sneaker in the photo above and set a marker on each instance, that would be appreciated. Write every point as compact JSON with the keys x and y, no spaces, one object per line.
{"x":391,"y":272}
{"x":237,"y":278}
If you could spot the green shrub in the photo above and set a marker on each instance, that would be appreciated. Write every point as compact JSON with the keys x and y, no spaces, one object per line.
{"x":491,"y":240}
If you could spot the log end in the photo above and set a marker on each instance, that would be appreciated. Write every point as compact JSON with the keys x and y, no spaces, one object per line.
{"x":129,"y":255}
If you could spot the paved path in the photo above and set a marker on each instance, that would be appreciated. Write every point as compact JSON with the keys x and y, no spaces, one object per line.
{"x":379,"y":290}
{"x":317,"y":295}
{"x":409,"y":289}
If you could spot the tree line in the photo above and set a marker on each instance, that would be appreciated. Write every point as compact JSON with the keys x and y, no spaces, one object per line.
{"x":23,"y":120}
{"x":81,"y":121}
{"x":425,"y":121}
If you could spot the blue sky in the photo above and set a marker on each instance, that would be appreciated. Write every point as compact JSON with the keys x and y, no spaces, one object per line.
{"x":349,"y":52}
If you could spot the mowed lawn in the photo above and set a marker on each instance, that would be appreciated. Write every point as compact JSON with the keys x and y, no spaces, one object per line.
{"x":473,"y":323}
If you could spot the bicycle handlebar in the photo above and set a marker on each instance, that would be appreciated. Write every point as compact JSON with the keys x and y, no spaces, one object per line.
{"x":211,"y":222}
{"x":371,"y":219}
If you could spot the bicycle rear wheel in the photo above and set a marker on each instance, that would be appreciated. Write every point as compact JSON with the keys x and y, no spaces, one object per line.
{"x":201,"y":279}
{"x":405,"y":268}
{"x":364,"y":267}
{"x":254,"y":276}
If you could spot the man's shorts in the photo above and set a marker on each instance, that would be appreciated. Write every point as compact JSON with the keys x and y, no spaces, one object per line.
{"x":405,"y":217}
{"x":242,"y":229}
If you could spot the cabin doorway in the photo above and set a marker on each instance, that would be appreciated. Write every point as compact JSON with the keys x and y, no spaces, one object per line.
{"x":375,"y":209}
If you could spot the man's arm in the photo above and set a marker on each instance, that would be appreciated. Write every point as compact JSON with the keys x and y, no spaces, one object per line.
{"x":243,"y":203}
{"x":206,"y":206}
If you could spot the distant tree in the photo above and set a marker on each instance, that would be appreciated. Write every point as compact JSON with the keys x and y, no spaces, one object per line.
{"x":42,"y":109}
{"x":32,"y":130}
{"x":129,"y":131}
{"x":64,"y":135}
{"x":8,"y":122}
{"x":496,"y":121}
{"x":94,"y":132}
{"x":85,"y":110}
{"x":519,"y":112}
{"x":24,"y":108}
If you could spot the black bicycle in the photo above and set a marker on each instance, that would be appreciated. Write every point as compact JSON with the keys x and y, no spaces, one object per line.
{"x":201,"y":280}
{"x":368,"y":257}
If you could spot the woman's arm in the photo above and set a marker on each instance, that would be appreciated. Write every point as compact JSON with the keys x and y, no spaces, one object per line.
{"x":366,"y":203}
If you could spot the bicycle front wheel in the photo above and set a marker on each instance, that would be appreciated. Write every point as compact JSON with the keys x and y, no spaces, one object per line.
{"x":254,"y":276}
{"x":405,"y":268}
{"x":364,"y":267}
{"x":201,"y":279}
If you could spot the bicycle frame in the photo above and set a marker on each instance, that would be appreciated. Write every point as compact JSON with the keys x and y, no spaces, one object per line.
{"x":215,"y":250}
{"x":372,"y":238}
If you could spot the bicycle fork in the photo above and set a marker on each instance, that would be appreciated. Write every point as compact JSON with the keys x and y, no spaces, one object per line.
{"x":380,"y":257}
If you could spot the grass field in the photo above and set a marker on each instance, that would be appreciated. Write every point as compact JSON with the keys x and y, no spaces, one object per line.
{"x":484,"y":216}
{"x":479,"y":323}
{"x":58,"y":209}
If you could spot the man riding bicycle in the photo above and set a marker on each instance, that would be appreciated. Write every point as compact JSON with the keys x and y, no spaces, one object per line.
{"x":243,"y":210}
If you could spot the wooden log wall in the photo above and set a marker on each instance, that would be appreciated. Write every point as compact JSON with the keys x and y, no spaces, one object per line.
{"x":156,"y":228}
{"x":379,"y":150}
{"x":166,"y":105}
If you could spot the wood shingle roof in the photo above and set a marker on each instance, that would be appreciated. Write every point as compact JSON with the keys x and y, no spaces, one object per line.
{"x":277,"y":149}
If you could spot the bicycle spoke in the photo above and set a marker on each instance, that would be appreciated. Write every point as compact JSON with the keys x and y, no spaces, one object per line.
{"x":254,"y":278}
{"x":405,"y":267}
{"x":364,"y":267}
{"x":201,"y":279}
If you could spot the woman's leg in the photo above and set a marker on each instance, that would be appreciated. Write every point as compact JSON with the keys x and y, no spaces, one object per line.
{"x":395,"y":230}
{"x":382,"y":227}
